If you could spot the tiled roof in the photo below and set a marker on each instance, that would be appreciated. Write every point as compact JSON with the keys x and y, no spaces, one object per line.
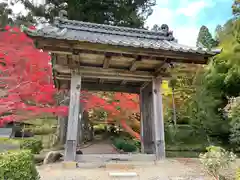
{"x":113,"y":35}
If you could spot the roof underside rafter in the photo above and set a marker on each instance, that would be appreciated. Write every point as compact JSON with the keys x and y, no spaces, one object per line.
{"x":112,"y":58}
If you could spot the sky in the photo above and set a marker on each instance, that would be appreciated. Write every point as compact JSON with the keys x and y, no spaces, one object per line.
{"x":184,"y":17}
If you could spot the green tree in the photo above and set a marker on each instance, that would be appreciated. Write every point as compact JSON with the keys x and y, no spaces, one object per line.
{"x":5,"y":15}
{"x":236,"y":7}
{"x":205,"y":38}
{"x":114,"y":12}
{"x":218,"y":31}
{"x":220,"y":82}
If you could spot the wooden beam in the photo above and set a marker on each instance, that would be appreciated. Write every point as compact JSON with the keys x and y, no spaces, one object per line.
{"x":187,"y":57}
{"x":91,"y":86}
{"x":133,"y":67}
{"x":72,"y":130}
{"x":102,"y":71}
{"x":106,"y":63}
{"x":158,"y":122}
{"x":161,"y":67}
{"x":107,"y":77}
{"x":110,"y":87}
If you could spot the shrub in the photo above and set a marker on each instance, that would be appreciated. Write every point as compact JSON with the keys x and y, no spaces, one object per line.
{"x":128,"y":147}
{"x":41,"y":130}
{"x":118,"y":142}
{"x":238,"y":174}
{"x":35,"y":145}
{"x":18,"y":165}
{"x":215,"y":159}
{"x":125,"y":145}
{"x":233,"y":112}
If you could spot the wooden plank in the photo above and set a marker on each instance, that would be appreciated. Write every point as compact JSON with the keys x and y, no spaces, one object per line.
{"x":102,"y":71}
{"x":72,"y":130}
{"x":158,"y":122}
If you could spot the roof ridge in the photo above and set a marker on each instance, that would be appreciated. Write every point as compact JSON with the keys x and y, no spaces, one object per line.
{"x":60,"y":21}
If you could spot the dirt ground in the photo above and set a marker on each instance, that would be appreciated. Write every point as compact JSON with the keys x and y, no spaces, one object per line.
{"x":174,"y":169}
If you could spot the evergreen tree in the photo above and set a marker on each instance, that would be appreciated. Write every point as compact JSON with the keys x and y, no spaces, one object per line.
{"x":205,"y":38}
{"x":218,"y":31}
{"x":113,"y":12}
{"x":5,"y":15}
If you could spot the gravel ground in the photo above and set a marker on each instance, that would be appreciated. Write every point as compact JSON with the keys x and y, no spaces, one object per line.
{"x":165,"y":170}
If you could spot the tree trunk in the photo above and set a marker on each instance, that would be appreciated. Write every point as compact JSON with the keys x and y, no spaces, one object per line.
{"x":174,"y":109}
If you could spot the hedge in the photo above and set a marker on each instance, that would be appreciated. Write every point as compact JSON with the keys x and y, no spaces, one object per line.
{"x":125,"y":145}
{"x":34,"y":145}
{"x":18,"y":165}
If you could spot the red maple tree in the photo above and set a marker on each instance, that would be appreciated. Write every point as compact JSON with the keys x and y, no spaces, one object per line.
{"x":119,"y":107}
{"x":27,"y":90}
{"x":26,"y":85}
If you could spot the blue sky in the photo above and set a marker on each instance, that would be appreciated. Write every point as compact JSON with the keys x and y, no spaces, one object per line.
{"x":185,"y":17}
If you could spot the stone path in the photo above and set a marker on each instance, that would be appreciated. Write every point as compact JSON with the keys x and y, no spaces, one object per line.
{"x":169,"y":169}
{"x":102,"y":147}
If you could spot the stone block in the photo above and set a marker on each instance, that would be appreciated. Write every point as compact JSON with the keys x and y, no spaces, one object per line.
{"x":69,"y":164}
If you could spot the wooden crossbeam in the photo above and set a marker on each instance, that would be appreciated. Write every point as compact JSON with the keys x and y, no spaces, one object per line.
{"x":133,"y":67}
{"x":119,"y":73}
{"x":107,"y":77}
{"x":161,"y":67}
{"x":106,"y":63}
{"x":107,"y":87}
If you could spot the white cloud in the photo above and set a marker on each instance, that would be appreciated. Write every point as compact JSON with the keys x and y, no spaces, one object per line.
{"x":186,"y":35}
{"x":160,"y":16}
{"x":192,"y":9}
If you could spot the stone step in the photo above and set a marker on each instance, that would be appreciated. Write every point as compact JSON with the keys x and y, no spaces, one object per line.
{"x":124,"y":175}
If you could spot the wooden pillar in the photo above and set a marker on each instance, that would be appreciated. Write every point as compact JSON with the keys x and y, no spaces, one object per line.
{"x":62,"y":121}
{"x":72,"y":129}
{"x":80,"y":126}
{"x":152,"y":123}
{"x":146,"y":119}
{"x":158,"y":121}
